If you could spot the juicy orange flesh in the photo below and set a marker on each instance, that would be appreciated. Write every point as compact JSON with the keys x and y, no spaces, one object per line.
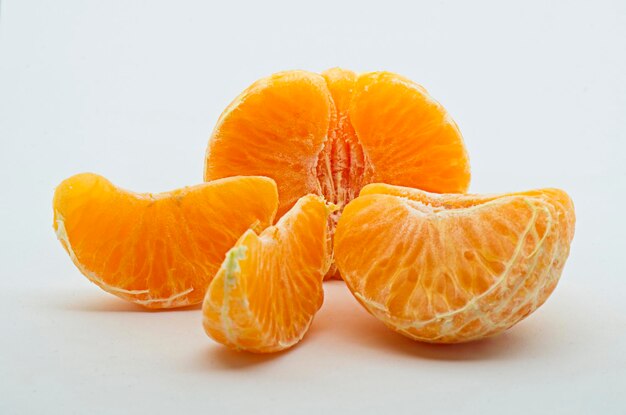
{"x":157,"y":250}
{"x":332,"y":134}
{"x":268,"y":289}
{"x":409,"y":138}
{"x":452,"y":268}
{"x":276,"y":128}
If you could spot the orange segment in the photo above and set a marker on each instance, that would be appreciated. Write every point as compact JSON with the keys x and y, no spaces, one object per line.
{"x":452,"y":268}
{"x":269,"y":287}
{"x":157,"y":250}
{"x":275,"y":128}
{"x":408,"y":137}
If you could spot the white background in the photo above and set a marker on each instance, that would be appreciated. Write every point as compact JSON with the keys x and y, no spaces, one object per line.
{"x":131,"y":90}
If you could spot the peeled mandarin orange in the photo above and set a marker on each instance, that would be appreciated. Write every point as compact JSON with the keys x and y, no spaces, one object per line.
{"x":269,"y":287}
{"x":453,"y":268}
{"x":157,"y":250}
{"x":333,"y":133}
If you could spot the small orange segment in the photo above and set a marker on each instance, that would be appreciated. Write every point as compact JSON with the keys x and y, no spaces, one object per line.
{"x":157,"y":250}
{"x":269,"y":287}
{"x":453,"y":268}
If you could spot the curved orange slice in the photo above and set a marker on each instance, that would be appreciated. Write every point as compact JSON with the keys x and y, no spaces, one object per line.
{"x":453,"y":268}
{"x":157,"y":250}
{"x":269,"y":287}
{"x":275,"y":128}
{"x":333,"y":133}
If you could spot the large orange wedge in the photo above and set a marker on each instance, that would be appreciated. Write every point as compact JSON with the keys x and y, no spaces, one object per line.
{"x":333,"y":133}
{"x":269,"y":287}
{"x":157,"y":250}
{"x":453,"y":268}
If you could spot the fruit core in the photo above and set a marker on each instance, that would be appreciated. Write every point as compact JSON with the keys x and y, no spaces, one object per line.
{"x":342,"y":166}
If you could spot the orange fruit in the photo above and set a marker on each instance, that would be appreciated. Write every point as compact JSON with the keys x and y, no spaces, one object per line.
{"x":157,"y":250}
{"x":333,"y":133}
{"x":269,"y":287}
{"x":453,"y":268}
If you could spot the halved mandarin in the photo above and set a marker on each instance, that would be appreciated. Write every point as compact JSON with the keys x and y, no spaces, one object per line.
{"x":157,"y":250}
{"x":453,"y":268}
{"x":269,"y":287}
{"x":333,"y":133}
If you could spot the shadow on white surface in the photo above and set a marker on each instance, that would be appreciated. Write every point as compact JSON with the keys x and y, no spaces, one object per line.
{"x":341,"y":326}
{"x":100,"y":302}
{"x":218,"y":357}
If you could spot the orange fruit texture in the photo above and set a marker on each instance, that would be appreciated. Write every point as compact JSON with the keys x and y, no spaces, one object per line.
{"x":269,"y":287}
{"x":333,"y":133}
{"x":157,"y":250}
{"x":453,"y":268}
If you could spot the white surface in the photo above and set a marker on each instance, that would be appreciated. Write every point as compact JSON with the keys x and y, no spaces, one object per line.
{"x":132,"y":89}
